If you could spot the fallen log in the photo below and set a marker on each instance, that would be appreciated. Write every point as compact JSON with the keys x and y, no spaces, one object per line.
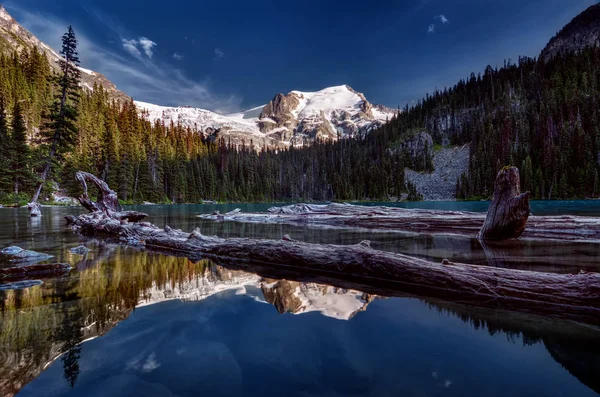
{"x":413,"y":221}
{"x":509,"y":210}
{"x":568,"y":296}
{"x":19,"y":273}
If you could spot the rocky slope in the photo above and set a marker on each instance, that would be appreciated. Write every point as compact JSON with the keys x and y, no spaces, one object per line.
{"x":581,"y":32}
{"x":449,"y":164}
{"x":14,"y":37}
{"x":295,"y":119}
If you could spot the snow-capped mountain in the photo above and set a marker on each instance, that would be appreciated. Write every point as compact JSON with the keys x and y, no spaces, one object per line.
{"x":296,"y":118}
{"x":299,"y":298}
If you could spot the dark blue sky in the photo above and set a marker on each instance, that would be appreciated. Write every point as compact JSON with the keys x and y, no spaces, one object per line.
{"x":226,"y":55}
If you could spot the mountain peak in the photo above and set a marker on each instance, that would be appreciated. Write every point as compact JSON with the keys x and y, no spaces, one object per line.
{"x":296,"y":118}
{"x":583,"y":31}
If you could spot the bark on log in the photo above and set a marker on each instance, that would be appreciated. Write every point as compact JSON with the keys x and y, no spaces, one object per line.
{"x":509,"y":211}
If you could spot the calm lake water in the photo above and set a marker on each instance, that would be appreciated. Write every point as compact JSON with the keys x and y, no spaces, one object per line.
{"x":126,"y":322}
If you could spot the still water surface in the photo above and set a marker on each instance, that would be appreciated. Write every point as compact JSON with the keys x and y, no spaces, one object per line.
{"x":155,"y":325}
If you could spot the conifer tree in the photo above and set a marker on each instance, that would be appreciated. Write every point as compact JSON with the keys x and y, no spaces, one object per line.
{"x":60,"y":131}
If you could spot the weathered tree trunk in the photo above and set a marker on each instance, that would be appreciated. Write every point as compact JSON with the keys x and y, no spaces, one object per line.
{"x":107,"y":198}
{"x":402,"y":220}
{"x":509,"y":211}
{"x":569,"y":296}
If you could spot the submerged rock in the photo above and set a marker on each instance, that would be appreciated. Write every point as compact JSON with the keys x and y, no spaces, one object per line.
{"x":20,"y":256}
{"x":81,"y":250}
{"x":12,"y":250}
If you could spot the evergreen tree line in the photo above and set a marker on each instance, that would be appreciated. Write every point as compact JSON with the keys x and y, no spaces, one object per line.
{"x":143,"y":161}
{"x":542,"y":117}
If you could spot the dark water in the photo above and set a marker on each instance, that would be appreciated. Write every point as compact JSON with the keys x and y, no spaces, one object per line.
{"x":153,"y":325}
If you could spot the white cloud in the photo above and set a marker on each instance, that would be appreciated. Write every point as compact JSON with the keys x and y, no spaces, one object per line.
{"x":431,"y":29}
{"x":144,"y":78}
{"x":147,"y":45}
{"x":218,"y":54}
{"x":442,"y":18}
{"x":177,"y":56}
{"x":133,"y":46}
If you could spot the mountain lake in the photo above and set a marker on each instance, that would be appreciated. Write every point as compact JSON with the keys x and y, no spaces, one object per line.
{"x":127,"y":322}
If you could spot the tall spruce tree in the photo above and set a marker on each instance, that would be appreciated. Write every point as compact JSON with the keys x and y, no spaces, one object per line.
{"x":60,"y":131}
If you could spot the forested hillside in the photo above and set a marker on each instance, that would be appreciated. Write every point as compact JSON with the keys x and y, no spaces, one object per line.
{"x":153,"y":162}
{"x":540,"y":116}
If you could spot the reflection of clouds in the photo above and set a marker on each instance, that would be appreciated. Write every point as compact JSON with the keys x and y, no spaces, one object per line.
{"x":148,"y":366}
{"x":151,"y":364}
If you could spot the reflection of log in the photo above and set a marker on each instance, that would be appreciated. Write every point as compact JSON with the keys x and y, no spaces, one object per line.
{"x":566,"y":227}
{"x":563,"y":296}
{"x":508,"y":213}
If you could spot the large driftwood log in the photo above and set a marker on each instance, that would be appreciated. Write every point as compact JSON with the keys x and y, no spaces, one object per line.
{"x":509,"y":210}
{"x":572,"y":296}
{"x":402,"y":220}
{"x":569,"y":296}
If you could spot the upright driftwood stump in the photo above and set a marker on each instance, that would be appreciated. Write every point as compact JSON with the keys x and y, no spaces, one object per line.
{"x":509,"y":211}
{"x":107,"y":198}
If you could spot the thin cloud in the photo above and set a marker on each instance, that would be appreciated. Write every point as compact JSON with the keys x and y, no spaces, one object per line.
{"x":133,"y":46}
{"x":218,"y":54}
{"x":177,"y":56}
{"x":146,"y":79}
{"x":147,"y":45}
{"x":431,"y":29}
{"x":442,"y":18}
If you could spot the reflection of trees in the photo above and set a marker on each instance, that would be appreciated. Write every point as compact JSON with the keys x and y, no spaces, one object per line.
{"x":40,"y":323}
{"x":575,"y":347}
{"x":69,"y":333}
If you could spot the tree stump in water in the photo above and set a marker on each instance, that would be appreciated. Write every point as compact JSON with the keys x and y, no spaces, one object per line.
{"x":34,"y":209}
{"x":509,"y":211}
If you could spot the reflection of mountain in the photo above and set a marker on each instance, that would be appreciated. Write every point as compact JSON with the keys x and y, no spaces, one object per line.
{"x":39,"y":324}
{"x":298,"y":298}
